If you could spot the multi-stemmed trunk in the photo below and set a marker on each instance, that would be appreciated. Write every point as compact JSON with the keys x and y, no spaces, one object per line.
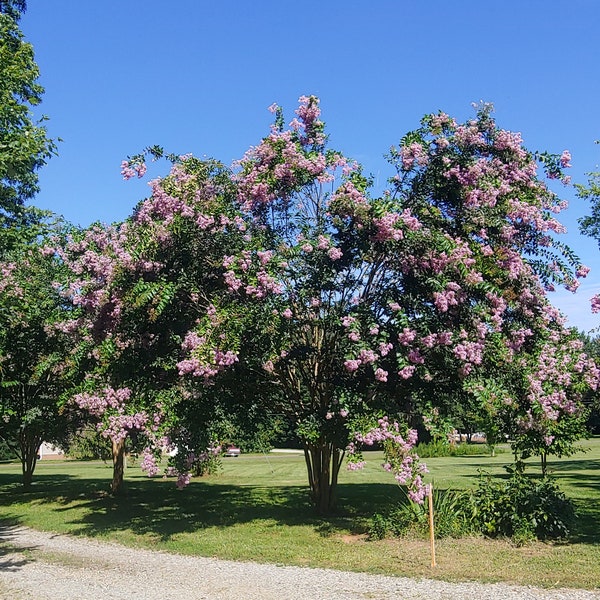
{"x":29,"y":446}
{"x":323,"y":462}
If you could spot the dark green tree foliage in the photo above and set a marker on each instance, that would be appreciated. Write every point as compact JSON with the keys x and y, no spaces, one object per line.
{"x":34,"y":366}
{"x":24,"y":143}
{"x":13,"y":8}
{"x":590,"y":224}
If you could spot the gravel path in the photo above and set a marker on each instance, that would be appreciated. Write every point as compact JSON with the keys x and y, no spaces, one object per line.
{"x":45,"y":566}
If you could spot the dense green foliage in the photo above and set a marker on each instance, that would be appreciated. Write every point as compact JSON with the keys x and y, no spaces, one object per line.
{"x":24,"y":144}
{"x":452,"y":517}
{"x":34,"y":350}
{"x":522,"y":508}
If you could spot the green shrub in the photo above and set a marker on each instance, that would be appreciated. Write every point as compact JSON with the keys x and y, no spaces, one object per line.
{"x":6,"y":453}
{"x":89,"y":444}
{"x":522,"y":508}
{"x":440,"y":448}
{"x":451,"y":516}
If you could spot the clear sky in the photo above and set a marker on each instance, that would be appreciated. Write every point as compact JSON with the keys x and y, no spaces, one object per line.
{"x":197,"y":76}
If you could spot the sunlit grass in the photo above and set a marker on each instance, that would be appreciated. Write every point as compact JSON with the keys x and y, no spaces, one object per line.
{"x":257,"y":508}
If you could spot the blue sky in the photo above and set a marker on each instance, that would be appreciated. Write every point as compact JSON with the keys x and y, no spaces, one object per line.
{"x":197,"y":76}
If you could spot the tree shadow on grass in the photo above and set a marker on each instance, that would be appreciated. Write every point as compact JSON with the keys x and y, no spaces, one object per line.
{"x":8,"y":551}
{"x":586,"y":529}
{"x":156,"y":508}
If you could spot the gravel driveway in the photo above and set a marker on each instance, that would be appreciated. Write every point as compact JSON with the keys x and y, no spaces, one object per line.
{"x":45,"y":566}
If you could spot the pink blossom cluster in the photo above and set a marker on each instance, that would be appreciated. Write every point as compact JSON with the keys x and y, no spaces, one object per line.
{"x":148,"y":464}
{"x":518,"y":338}
{"x":183,"y":480}
{"x":399,"y":453}
{"x":523,"y":212}
{"x":413,"y":154}
{"x":565,"y":159}
{"x":469,"y":135}
{"x":129,"y":170}
{"x":451,"y":296}
{"x":407,"y":372}
{"x":192,"y":341}
{"x":252,"y":275}
{"x":388,"y":430}
{"x":8,"y":281}
{"x":469,"y":352}
{"x":113,"y":409}
{"x":98,"y":404}
{"x":582,"y":271}
{"x":163,"y":205}
{"x":386,"y":228}
{"x":441,"y":120}
{"x":513,"y":263}
{"x":366,"y":356}
{"x":117,"y":427}
{"x":279,"y":163}
{"x":508,"y":140}
{"x":459,"y":258}
{"x":356,"y":465}
{"x":207,"y":369}
{"x":390,"y":226}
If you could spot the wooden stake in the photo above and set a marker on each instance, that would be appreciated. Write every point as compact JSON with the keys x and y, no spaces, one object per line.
{"x":431,"y":527}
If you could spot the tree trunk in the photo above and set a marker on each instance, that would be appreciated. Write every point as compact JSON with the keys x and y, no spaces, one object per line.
{"x":323,"y":463}
{"x":118,"y":456}
{"x":544,"y":457}
{"x":29,"y":444}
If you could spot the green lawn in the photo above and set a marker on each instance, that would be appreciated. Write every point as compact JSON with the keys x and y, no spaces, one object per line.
{"x":257,"y":509}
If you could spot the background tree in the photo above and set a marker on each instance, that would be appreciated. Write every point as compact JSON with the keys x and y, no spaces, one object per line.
{"x":24,"y":143}
{"x":13,"y":8}
{"x":590,"y":224}
{"x":34,"y":346}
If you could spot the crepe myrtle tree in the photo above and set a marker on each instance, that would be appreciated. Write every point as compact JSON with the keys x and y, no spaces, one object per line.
{"x":139,"y":287}
{"x":536,"y":399}
{"x":354,"y":303}
{"x":527,"y":373}
{"x":34,"y":349}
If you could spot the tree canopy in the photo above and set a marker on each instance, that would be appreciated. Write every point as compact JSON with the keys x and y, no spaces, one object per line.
{"x":590,"y":224}
{"x":34,"y":356}
{"x":24,"y":143}
{"x":335,"y":306}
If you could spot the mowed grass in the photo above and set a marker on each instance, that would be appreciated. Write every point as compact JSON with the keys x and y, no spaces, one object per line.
{"x":257,"y":509}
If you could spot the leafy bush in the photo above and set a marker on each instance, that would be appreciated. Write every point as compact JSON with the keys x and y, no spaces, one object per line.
{"x":452,"y":517}
{"x":439,"y":448}
{"x":89,"y":444}
{"x":6,"y":453}
{"x":207,"y":464}
{"x":522,"y":508}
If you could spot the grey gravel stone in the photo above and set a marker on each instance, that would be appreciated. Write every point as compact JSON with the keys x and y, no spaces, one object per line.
{"x":45,"y":566}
